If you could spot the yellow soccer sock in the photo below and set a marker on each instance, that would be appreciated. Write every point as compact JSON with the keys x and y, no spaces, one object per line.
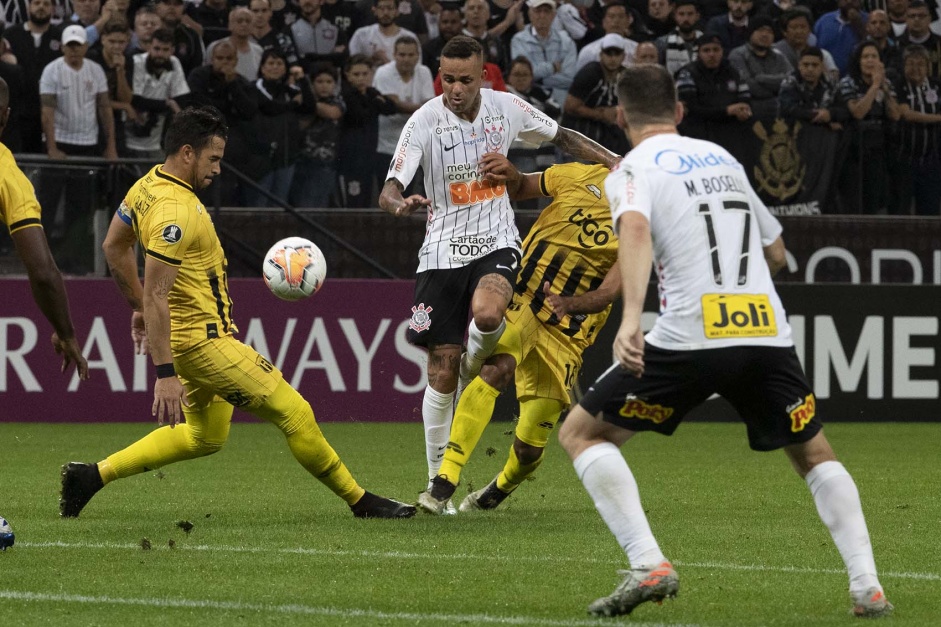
{"x":514,"y":473}
{"x":474,"y":411}
{"x":287,"y":409}
{"x":204,"y":433}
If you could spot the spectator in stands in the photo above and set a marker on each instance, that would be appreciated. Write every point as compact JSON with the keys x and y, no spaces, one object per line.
{"x":660,"y":19}
{"x":838,"y":32}
{"x":897,"y":10}
{"x":592,"y":102}
{"x":343,"y":15}
{"x":878,"y":29}
{"x":317,"y":39}
{"x":712,"y":8}
{"x":762,"y":67}
{"x":552,"y":52}
{"x":409,"y":85}
{"x":315,"y":172}
{"x":432,"y":12}
{"x":187,"y":44}
{"x":569,"y":21}
{"x":249,"y":53}
{"x":678,"y":48}
{"x":74,"y":94}
{"x":281,"y":100}
{"x":220,"y":85}
{"x":158,"y":84}
{"x":919,"y":32}
{"x":15,"y":93}
{"x":146,"y":22}
{"x":92,"y":16}
{"x":364,"y":105}
{"x":269,"y":38}
{"x":476,"y":24}
{"x":377,"y":41}
{"x":110,"y":56}
{"x":646,"y":52}
{"x":870,"y":99}
{"x":449,"y":25}
{"x":715,"y":99}
{"x":617,"y":21}
{"x":35,"y":44}
{"x":808,"y":94}
{"x":920,"y":111}
{"x":213,"y":16}
{"x":519,"y":81}
{"x":732,"y":27}
{"x":796,"y":24}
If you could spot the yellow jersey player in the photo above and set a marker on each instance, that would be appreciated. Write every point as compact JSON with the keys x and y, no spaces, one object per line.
{"x":182,"y":314}
{"x":20,"y":212}
{"x":568,"y":278}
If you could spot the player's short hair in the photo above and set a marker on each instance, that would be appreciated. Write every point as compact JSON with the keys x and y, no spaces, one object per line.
{"x":462,"y":47}
{"x":164,"y":36}
{"x":647,"y":94}
{"x":195,"y":126}
{"x":357,"y":59}
{"x":812,"y":51}
{"x":116,"y":25}
{"x":405,"y":40}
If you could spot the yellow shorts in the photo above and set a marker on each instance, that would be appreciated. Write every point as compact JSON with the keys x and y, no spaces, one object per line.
{"x":547,"y":361}
{"x":226,"y":369}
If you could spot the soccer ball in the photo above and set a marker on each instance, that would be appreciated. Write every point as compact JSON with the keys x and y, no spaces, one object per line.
{"x":294,"y":268}
{"x":6,"y":534}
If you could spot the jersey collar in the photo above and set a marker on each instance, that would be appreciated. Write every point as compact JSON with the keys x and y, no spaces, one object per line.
{"x":161,"y":174}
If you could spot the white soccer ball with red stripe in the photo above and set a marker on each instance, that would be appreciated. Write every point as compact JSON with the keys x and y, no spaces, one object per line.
{"x":294,"y":268}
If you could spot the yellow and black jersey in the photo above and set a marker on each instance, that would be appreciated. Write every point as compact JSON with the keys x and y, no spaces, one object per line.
{"x":19,"y":208}
{"x":173,"y":227}
{"x":572,"y":245}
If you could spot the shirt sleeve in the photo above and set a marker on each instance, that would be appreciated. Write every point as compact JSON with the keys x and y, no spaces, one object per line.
{"x":535,"y":126}
{"x":627,"y":190}
{"x":18,"y":205}
{"x":170,"y":232}
{"x":48,"y":85}
{"x":178,"y":85}
{"x":410,"y":149}
{"x":768,"y":226}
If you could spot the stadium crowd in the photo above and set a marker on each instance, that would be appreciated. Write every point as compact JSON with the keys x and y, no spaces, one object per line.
{"x":317,"y":92}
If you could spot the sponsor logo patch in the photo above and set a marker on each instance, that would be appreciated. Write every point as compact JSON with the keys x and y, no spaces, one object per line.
{"x":802,"y":412}
{"x":737,"y":315}
{"x":636,"y":408}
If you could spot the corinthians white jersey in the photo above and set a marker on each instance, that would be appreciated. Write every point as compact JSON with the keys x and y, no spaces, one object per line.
{"x":708,"y":228}
{"x":469,"y":217}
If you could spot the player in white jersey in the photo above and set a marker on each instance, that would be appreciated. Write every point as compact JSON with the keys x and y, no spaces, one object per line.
{"x":471,"y":251}
{"x":687,"y":205}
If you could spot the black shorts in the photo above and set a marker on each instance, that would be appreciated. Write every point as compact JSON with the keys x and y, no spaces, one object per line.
{"x":443,"y":297}
{"x":765,"y":384}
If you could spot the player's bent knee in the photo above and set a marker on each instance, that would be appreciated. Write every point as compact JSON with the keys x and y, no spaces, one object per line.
{"x":526,"y":453}
{"x":200,"y":447}
{"x":488,"y":319}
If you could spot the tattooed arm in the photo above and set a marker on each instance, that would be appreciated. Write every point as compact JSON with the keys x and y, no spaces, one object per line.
{"x":583,"y":148}
{"x":392,"y":201}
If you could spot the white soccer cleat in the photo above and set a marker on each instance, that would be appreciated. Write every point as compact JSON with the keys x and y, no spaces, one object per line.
{"x":872,"y":604}
{"x":639,"y":586}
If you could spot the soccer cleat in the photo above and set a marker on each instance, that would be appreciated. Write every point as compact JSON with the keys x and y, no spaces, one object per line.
{"x":374,"y":506}
{"x":639,"y":585}
{"x":80,"y":482}
{"x":872,"y":604}
{"x":488,"y":497}
{"x":449,"y":509}
{"x":435,"y":499}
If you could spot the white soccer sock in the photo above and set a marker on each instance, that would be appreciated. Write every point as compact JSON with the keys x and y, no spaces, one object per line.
{"x":840,"y":509}
{"x":436,"y":412}
{"x":480,"y":345}
{"x":605,"y":474}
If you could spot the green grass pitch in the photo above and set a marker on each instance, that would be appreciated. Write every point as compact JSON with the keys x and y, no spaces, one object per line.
{"x":270,"y":546}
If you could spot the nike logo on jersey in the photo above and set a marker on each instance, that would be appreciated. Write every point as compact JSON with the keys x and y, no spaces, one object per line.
{"x":450,"y":148}
{"x":508,"y":269}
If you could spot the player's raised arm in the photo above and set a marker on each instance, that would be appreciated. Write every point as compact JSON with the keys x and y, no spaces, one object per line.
{"x":583,"y":148}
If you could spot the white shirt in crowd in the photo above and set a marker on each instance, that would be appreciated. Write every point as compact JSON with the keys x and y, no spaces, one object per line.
{"x":418,"y":90}
{"x":76,"y":92}
{"x":708,"y":228}
{"x":170,"y":84}
{"x":367,"y":39}
{"x":469,"y":216}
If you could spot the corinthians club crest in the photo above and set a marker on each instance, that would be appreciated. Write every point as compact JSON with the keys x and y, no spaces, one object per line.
{"x":780,"y":171}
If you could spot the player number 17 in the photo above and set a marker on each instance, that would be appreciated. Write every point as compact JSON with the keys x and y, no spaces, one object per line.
{"x":706,"y":213}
